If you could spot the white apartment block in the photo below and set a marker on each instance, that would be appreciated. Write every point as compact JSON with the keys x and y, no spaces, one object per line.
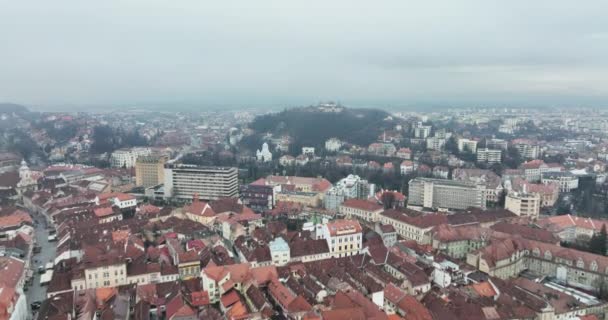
{"x":489,"y":155}
{"x":467,"y":145}
{"x":446,"y":194}
{"x":127,"y":157}
{"x":183,"y":181}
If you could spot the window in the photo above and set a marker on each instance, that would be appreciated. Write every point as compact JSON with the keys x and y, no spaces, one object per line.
{"x":580,"y":263}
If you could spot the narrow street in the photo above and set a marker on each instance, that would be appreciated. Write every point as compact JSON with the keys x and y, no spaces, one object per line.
{"x":36,"y":292}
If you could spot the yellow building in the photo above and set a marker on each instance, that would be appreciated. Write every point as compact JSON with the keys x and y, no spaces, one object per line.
{"x":149,"y":170}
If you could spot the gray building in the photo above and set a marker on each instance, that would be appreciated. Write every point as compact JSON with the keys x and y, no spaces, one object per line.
{"x":446,"y":194}
{"x":182,"y":181}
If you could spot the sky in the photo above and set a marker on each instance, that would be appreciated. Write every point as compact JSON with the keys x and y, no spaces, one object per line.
{"x":204,"y":54}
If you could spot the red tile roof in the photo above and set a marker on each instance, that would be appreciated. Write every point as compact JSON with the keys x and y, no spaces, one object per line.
{"x":344,"y":227}
{"x":362,"y":204}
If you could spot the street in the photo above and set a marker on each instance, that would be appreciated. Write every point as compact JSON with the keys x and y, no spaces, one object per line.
{"x":36,"y":292}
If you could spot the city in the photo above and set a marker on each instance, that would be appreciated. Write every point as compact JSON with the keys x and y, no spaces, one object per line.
{"x":459,"y":214}
{"x":303,"y":160}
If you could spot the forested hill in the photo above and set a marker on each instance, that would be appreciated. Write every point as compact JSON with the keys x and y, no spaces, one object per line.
{"x":13,"y":108}
{"x":311,"y":126}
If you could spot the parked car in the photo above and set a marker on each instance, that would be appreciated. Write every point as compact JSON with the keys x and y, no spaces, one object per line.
{"x":35,"y":305}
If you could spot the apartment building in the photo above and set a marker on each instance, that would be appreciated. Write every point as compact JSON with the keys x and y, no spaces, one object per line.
{"x":523,"y":204}
{"x":490,"y":156}
{"x":182,"y":181}
{"x":467,"y":145}
{"x":344,"y":237}
{"x":446,"y":194}
{"x":565,"y":180}
{"x":150,"y":170}
{"x":126,"y":158}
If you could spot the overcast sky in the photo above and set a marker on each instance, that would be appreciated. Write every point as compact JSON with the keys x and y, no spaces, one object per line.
{"x":256,"y":52}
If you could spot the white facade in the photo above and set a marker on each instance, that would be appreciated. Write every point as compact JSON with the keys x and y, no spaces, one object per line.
{"x":344,"y":237}
{"x":127,"y":157}
{"x":333,"y":144}
{"x":489,"y":155}
{"x":264,"y":155}
{"x":467,"y":145}
{"x":308,"y":151}
{"x":210,"y":183}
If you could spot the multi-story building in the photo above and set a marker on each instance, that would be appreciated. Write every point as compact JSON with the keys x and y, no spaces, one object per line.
{"x":350,"y":187}
{"x":361,"y":209}
{"x":421,"y":131}
{"x":523,"y":204}
{"x":572,"y":228}
{"x":527,"y":149}
{"x":344,"y":237}
{"x":533,"y":170}
{"x":446,"y":194}
{"x":104,"y":271}
{"x":412,"y":227}
{"x":565,"y":180}
{"x":489,"y":155}
{"x":407,"y":166}
{"x":150,"y":170}
{"x":126,"y":158}
{"x":494,"y":188}
{"x":497,"y":144}
{"x":508,"y":257}
{"x":279,"y":251}
{"x":467,"y":145}
{"x":257,"y":197}
{"x":435,"y":143}
{"x":182,"y":181}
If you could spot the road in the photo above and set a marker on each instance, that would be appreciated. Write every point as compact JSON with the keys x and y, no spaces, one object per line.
{"x":36,"y":292}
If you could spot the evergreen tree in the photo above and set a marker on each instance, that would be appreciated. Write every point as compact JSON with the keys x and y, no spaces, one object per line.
{"x":597,"y":244}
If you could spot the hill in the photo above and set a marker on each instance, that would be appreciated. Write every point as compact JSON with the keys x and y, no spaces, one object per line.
{"x":13,"y":108}
{"x":311,"y":126}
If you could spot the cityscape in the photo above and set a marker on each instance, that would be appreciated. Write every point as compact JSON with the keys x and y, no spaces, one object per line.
{"x":481,"y":213}
{"x":290,"y":160}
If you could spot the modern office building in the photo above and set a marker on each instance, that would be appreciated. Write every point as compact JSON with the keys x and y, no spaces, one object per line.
{"x":446,"y":194}
{"x":150,"y":170}
{"x":182,"y":181}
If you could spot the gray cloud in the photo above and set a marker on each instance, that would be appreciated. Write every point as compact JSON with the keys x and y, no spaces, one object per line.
{"x":242,"y":53}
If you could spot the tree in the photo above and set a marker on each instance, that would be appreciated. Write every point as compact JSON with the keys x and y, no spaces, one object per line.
{"x":388,"y":200}
{"x":597,"y":244}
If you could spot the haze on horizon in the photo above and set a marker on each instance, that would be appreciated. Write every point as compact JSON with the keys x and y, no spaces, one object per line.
{"x":254,"y":53}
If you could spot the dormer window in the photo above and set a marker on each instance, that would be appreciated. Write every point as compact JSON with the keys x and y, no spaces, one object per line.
{"x":548,"y":255}
{"x":593,"y":266}
{"x":536,"y":252}
{"x":580,"y":263}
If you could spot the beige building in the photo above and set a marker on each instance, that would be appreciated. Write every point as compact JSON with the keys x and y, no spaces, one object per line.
{"x":149,"y":170}
{"x":361,"y":209}
{"x":508,"y":257}
{"x":523,"y":204}
{"x":412,"y":227}
{"x":110,"y":274}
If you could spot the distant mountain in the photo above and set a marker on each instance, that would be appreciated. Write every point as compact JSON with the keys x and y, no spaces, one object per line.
{"x":311,"y":126}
